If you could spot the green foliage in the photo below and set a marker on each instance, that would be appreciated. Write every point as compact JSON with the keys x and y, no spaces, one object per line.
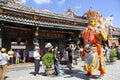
{"x":48,"y":59}
{"x":113,"y":53}
{"x":118,"y":29}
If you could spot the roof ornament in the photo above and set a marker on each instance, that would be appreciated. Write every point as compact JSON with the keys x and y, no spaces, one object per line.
{"x":70,"y":12}
{"x":109,"y":20}
{"x":46,"y":10}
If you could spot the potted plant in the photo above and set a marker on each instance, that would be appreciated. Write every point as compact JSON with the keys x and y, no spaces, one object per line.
{"x":48,"y":61}
{"x":113,"y":55}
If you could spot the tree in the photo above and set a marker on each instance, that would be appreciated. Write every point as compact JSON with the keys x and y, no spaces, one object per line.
{"x":48,"y":60}
{"x":118,"y":29}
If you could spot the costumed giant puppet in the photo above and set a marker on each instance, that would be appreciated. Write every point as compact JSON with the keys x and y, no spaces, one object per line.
{"x":93,"y":36}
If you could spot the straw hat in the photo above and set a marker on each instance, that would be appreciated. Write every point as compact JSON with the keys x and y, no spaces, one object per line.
{"x":3,"y":50}
{"x":48,"y":45}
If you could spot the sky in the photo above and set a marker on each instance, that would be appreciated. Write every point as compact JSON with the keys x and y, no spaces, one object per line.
{"x":105,"y":7}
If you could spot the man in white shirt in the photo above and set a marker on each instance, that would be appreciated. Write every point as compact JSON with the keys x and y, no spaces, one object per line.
{"x":37,"y":56}
{"x":3,"y":63}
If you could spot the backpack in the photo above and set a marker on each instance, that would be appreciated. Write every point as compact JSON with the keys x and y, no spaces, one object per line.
{"x":41,"y":53}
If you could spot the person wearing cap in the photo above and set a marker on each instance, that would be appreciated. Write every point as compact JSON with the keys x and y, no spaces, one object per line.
{"x":3,"y":63}
{"x":36,"y":60}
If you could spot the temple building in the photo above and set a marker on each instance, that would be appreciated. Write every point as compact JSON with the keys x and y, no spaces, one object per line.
{"x":115,"y":39}
{"x":22,"y":27}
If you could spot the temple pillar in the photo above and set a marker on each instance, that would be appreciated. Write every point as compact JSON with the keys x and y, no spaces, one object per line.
{"x":36,"y":37}
{"x":0,"y":37}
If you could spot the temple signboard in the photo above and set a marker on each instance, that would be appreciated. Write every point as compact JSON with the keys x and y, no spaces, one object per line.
{"x":14,"y":45}
{"x":51,"y":35}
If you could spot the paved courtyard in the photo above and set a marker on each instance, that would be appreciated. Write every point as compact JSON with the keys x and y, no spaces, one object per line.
{"x":25,"y":72}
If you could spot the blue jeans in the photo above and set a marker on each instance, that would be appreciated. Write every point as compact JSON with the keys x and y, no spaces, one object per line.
{"x":57,"y":67}
{"x":11,"y":60}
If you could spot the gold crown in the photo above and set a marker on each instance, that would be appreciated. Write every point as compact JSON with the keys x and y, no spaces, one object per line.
{"x":92,"y":15}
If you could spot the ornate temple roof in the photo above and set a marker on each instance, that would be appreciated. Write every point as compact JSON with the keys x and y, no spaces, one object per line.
{"x":39,"y":23}
{"x":11,"y":5}
{"x":22,"y":8}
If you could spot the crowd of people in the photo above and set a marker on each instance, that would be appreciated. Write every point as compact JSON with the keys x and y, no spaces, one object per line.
{"x":10,"y":57}
{"x":16,"y":56}
{"x":69,"y":53}
{"x":95,"y":52}
{"x":58,"y":55}
{"x":107,"y":52}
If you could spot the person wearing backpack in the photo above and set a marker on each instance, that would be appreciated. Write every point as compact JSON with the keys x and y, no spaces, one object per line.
{"x":3,"y":63}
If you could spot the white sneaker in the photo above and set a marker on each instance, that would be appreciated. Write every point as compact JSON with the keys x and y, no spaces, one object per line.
{"x":59,"y":74}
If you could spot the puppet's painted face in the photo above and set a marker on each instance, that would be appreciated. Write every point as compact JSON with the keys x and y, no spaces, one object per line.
{"x":92,"y":22}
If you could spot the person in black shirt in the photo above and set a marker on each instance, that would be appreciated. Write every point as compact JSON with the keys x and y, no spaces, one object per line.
{"x":71,"y":50}
{"x":56,"y":60}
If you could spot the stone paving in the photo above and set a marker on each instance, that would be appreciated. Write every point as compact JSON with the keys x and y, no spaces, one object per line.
{"x":25,"y":72}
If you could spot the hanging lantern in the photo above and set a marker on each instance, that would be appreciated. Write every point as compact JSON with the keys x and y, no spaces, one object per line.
{"x":37,"y":32}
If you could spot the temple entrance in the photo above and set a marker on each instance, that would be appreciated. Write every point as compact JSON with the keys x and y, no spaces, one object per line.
{"x":16,"y":37}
